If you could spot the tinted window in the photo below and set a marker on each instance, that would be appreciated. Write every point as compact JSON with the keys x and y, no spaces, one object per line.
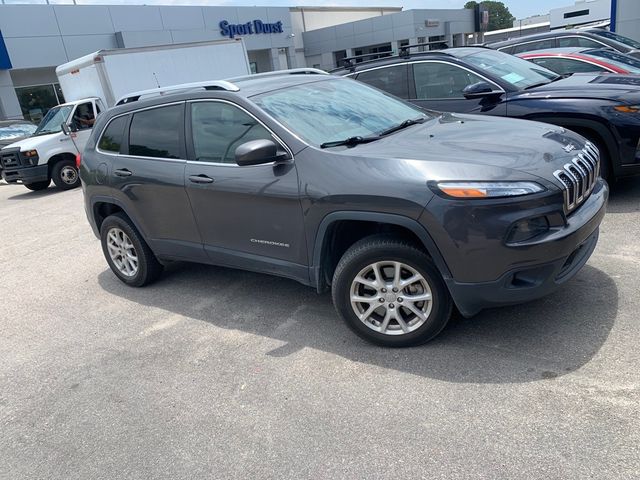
{"x":83,"y":116}
{"x":390,"y":79}
{"x":219,"y":128}
{"x":156,"y":132}
{"x":539,"y":45}
{"x":111,"y":139}
{"x":618,"y":38}
{"x":441,"y":80}
{"x":578,"y":42}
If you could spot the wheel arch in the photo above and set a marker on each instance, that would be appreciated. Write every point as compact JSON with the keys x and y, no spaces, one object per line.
{"x":102,"y":207}
{"x":323,"y":262}
{"x":59,"y":157}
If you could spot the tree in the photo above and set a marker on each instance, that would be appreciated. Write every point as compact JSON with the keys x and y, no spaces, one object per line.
{"x":499,"y":14}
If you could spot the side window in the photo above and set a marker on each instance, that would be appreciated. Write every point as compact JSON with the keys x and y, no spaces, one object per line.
{"x":531,"y":46}
{"x":567,"y":65}
{"x":111,"y":139}
{"x":393,"y":80}
{"x":441,"y":80}
{"x":156,"y":132}
{"x":564,"y":42}
{"x":219,"y":128}
{"x":83,"y":117}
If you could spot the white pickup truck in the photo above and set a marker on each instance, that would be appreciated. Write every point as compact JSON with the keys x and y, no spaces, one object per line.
{"x":97,"y":81}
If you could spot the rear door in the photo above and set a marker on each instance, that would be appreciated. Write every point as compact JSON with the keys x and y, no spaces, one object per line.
{"x":147,"y":176}
{"x":249,"y":216}
{"x":438,"y":85}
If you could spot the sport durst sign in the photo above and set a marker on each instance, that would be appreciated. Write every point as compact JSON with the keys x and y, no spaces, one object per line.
{"x":250,"y":28}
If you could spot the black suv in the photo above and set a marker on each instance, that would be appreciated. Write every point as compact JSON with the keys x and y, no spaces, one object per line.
{"x":583,"y":37}
{"x":336,"y":184}
{"x":601,"y":107}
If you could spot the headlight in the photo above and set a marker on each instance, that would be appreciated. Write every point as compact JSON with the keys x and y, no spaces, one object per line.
{"x":489,"y":189}
{"x":30,"y":153}
{"x":627,"y":108}
{"x":30,"y":157}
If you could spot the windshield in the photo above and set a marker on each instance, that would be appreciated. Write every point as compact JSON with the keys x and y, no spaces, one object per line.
{"x":516,"y":71}
{"x":16,"y":130}
{"x":53,"y":119}
{"x":618,"y":38}
{"x":617,"y":59}
{"x":336,"y":109}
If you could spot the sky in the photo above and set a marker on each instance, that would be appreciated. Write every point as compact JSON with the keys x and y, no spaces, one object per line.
{"x":518,"y":8}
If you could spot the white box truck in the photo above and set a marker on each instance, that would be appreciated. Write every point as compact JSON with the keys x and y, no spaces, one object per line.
{"x":97,"y":81}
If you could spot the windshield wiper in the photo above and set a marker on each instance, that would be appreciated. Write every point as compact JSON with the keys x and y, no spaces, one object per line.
{"x":350,"y":142}
{"x":400,"y":126}
{"x":559,"y":77}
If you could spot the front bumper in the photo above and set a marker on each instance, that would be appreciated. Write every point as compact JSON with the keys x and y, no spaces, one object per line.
{"x":37,"y":173}
{"x":562,"y":255}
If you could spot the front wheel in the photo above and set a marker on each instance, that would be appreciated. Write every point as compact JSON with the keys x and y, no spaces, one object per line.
{"x":390,"y":293}
{"x":65,"y":174}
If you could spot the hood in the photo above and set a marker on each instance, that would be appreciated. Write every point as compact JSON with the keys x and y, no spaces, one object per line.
{"x":477,"y":147}
{"x":31,"y":143}
{"x":606,"y":86}
{"x":11,"y":141}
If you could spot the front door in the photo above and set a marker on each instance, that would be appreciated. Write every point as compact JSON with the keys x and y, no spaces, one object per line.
{"x":81,"y":123}
{"x":250,"y":216}
{"x":439,"y":86}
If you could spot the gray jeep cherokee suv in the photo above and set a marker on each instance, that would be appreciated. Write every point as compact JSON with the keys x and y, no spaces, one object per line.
{"x":402,"y":212}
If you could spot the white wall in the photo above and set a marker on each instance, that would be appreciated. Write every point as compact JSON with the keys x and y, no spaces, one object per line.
{"x":598,"y":10}
{"x":628,"y":19}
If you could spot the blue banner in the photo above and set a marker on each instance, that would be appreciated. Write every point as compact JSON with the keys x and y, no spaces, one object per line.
{"x":5,"y":61}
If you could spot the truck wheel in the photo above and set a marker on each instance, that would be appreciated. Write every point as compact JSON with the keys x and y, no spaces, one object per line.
{"x":128,"y":255}
{"x":38,"y":185}
{"x":65,"y":175}
{"x":390,"y":293}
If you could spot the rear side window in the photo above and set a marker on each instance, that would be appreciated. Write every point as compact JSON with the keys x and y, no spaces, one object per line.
{"x":531,"y":46}
{"x":157,"y":132}
{"x":436,"y":80}
{"x":564,"y":42}
{"x":111,"y":140}
{"x":393,"y":80}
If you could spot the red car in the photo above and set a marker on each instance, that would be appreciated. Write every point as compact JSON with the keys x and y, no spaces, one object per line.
{"x":579,"y":60}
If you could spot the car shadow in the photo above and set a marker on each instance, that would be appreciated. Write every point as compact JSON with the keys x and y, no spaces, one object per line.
{"x":28,"y":194}
{"x":625,"y":196}
{"x":543,"y":339}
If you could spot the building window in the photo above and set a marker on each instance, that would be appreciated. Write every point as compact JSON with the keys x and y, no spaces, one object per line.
{"x":577,"y":13}
{"x":339,"y":56}
{"x":36,"y":100}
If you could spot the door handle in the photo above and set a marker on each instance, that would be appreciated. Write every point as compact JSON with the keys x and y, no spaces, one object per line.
{"x":123,"y":172}
{"x":200,"y":179}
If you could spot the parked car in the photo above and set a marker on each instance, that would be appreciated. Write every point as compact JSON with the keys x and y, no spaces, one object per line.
{"x":13,"y":131}
{"x":401,"y":212}
{"x":602,"y":108}
{"x":567,"y":61}
{"x":583,"y":37}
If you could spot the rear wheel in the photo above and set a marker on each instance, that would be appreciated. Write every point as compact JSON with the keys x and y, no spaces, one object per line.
{"x":65,"y":174}
{"x":36,"y":186}
{"x":128,"y":255}
{"x":390,"y":293}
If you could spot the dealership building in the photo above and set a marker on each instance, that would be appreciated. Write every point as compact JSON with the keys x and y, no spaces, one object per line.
{"x":288,"y":38}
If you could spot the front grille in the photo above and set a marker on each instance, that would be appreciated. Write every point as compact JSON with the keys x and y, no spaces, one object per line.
{"x":579,"y":176}
{"x":9,"y":160}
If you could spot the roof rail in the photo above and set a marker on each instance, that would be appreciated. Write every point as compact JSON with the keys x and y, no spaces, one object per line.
{"x":350,"y":62}
{"x":404,"y":49}
{"x":291,"y":71}
{"x":184,"y":87}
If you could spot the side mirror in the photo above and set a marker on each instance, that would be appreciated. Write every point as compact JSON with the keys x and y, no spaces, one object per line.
{"x":258,"y":152}
{"x":478,"y":90}
{"x":65,"y":128}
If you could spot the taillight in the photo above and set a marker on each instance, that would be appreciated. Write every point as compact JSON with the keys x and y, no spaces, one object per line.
{"x":78,"y":160}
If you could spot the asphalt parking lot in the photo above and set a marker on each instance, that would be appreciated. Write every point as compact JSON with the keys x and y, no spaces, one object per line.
{"x":219,"y":373}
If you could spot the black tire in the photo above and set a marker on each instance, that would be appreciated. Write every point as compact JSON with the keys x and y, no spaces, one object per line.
{"x":65,"y":174}
{"x":385,"y":248}
{"x":148,"y":267}
{"x":37,"y":186}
